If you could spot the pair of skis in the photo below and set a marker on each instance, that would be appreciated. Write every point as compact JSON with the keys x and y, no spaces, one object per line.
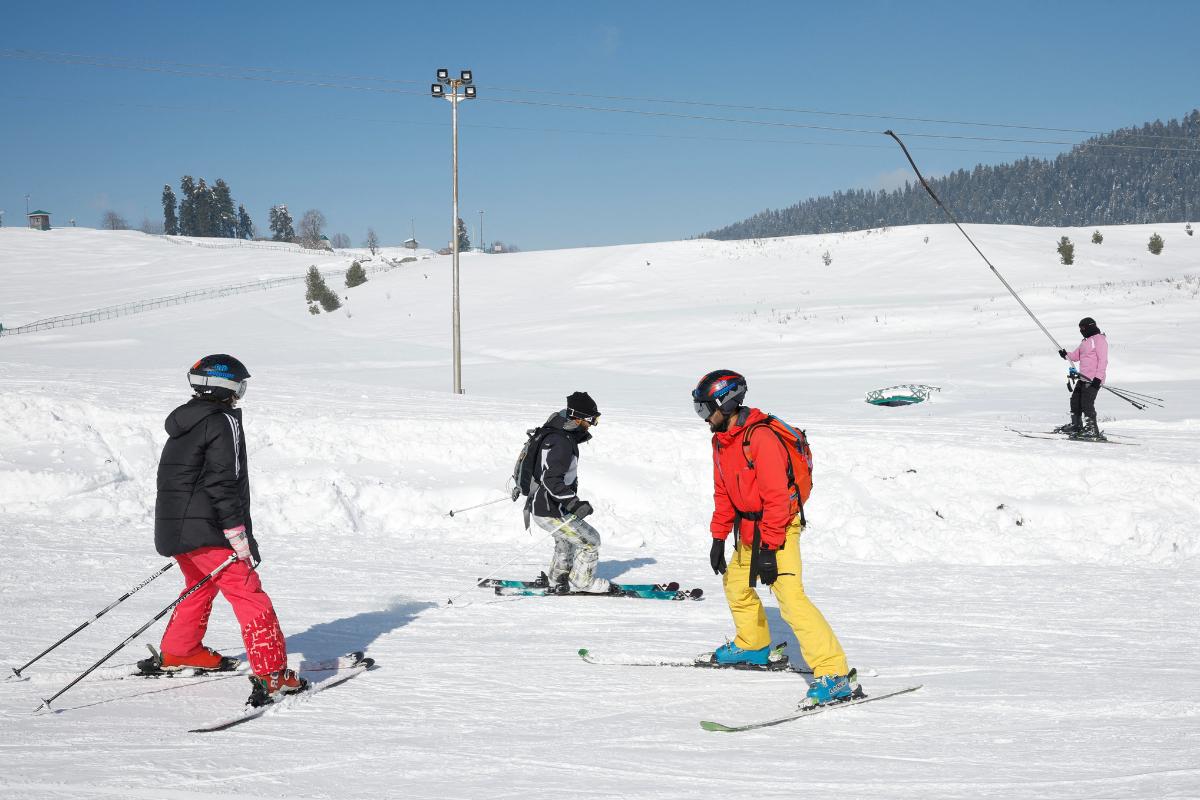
{"x":1107,"y":438}
{"x":321,"y":675}
{"x":541,"y":587}
{"x":776,"y":662}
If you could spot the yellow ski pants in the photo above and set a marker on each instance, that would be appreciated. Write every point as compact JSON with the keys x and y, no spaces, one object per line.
{"x":818,"y":644}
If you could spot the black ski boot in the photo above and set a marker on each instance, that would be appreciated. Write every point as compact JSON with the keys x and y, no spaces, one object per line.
{"x":1090,"y":431}
{"x":1072,"y":427}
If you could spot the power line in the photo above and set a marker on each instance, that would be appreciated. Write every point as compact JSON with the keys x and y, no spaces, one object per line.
{"x":151,"y":66}
{"x":573,"y":131}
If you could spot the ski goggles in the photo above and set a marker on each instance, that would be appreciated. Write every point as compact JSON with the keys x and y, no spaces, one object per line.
{"x":237,"y":387}
{"x":705,"y":408}
{"x":594,"y":419}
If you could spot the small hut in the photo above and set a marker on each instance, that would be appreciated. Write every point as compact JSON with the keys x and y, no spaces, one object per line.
{"x":39,"y":220}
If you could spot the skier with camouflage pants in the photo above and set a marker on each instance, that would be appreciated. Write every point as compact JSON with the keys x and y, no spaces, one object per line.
{"x":554,"y":503}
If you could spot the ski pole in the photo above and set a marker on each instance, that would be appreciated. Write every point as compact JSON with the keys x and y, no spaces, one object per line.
{"x":18,"y":670}
{"x":566,"y":521}
{"x":227,"y":562}
{"x":1138,"y":395}
{"x":454,"y":511}
{"x":996,"y":272}
{"x":1138,"y":403}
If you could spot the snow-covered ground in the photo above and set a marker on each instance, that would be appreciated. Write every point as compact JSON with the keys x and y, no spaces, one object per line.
{"x":1042,"y":591}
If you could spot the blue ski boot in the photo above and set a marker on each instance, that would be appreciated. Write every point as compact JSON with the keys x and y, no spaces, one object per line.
{"x":730,"y":653}
{"x":830,"y":689}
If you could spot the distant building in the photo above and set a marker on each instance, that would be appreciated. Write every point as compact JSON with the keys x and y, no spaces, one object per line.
{"x":323,"y":243}
{"x":39,"y":220}
{"x":411,"y":244}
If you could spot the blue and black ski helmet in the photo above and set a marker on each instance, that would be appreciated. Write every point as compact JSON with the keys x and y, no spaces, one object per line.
{"x":721,"y":389}
{"x":219,"y":377}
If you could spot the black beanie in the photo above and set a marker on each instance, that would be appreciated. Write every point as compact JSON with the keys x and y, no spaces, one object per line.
{"x":1088,"y":327}
{"x":581,"y":404}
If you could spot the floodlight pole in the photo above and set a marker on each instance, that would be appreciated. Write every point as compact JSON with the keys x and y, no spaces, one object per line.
{"x":463,"y":82}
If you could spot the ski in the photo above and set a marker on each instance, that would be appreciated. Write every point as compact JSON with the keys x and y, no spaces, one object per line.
{"x":854,"y":700}
{"x":776,"y":662}
{"x":543,"y":582}
{"x":620,"y":591}
{"x":343,"y":668}
{"x":1060,"y":433}
{"x":1063,"y":437}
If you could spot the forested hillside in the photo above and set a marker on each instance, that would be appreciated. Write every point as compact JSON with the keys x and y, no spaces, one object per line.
{"x":1133,"y":175}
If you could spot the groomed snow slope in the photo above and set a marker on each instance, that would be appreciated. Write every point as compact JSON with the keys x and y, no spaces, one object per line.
{"x":1023,"y":582}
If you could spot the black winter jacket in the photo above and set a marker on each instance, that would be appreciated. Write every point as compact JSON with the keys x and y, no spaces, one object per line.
{"x":203,"y":487}
{"x":557,"y":467}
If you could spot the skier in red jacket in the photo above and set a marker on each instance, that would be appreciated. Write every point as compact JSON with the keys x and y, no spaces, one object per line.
{"x":755,"y":501}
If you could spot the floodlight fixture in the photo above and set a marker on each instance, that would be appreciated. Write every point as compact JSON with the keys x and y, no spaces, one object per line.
{"x":436,"y":90}
{"x":469,"y":92}
{"x":465,"y":76}
{"x":443,"y":74}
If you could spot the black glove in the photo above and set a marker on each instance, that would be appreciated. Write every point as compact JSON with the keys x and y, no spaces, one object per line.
{"x":1095,"y":383}
{"x":766,"y":567}
{"x":580,"y":508}
{"x":716,"y":557}
{"x":1062,"y":354}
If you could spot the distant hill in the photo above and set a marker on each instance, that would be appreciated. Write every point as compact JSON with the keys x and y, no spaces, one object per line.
{"x":1094,"y":184}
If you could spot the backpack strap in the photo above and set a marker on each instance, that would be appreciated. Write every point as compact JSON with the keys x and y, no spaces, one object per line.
{"x":791,"y":475}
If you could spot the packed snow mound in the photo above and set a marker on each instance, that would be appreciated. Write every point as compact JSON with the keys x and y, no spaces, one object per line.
{"x":352,"y":434}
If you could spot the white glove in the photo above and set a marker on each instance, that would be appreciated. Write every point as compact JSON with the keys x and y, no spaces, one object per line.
{"x":239,"y":542}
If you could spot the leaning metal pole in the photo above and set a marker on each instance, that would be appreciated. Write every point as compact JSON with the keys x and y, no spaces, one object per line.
{"x":996,"y":272}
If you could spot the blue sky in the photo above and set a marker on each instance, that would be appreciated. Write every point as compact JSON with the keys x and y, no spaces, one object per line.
{"x":81,"y":139}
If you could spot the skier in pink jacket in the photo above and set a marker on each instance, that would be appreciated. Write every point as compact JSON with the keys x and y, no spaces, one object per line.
{"x":1092,"y":355}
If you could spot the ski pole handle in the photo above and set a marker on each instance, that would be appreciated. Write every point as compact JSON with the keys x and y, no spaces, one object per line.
{"x":224,"y":564}
{"x":18,"y":670}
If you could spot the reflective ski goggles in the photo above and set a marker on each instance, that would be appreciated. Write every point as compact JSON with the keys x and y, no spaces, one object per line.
{"x":705,"y":408}
{"x":237,"y":387}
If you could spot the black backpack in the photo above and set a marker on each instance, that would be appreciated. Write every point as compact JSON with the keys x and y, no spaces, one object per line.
{"x":526,"y":466}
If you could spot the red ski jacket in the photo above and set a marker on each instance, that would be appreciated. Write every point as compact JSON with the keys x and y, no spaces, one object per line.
{"x":763,"y":488}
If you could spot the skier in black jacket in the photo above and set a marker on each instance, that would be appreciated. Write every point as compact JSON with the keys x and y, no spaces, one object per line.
{"x":201,"y":517}
{"x":555,"y":497}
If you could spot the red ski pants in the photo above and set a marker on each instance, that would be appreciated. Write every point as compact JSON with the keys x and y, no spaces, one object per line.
{"x":265,"y":646}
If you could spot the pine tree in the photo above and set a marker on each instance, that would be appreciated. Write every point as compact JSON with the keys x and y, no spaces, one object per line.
{"x":355,"y":276}
{"x":202,"y":204}
{"x":281,"y":224}
{"x":464,"y":241}
{"x":1066,"y":250}
{"x":1097,"y":237}
{"x":827,"y":258}
{"x":170,"y":219}
{"x":245,"y":227}
{"x":187,"y":206}
{"x":1188,"y":229}
{"x":1156,"y":244}
{"x":224,"y":217}
{"x":317,"y":291}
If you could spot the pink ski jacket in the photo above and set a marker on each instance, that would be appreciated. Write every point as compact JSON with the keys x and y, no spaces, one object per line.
{"x":1092,"y":355}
